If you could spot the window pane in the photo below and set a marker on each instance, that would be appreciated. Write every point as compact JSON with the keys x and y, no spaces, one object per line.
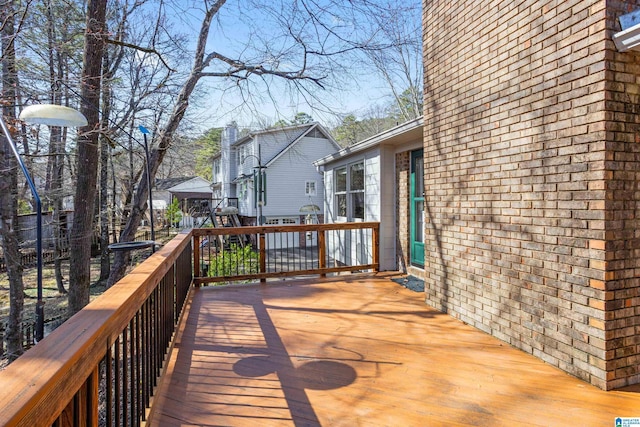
{"x":357,"y":204}
{"x":341,"y":179}
{"x":341,"y":205}
{"x":419,"y":222}
{"x":310,"y":188}
{"x":419,"y":177}
{"x":357,"y":177}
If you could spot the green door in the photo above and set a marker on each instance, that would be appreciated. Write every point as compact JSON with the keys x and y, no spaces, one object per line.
{"x":416,"y":199}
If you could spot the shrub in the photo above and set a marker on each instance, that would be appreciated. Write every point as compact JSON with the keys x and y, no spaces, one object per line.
{"x":234,"y":261}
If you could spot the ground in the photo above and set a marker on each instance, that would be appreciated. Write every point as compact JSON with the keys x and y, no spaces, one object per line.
{"x":55,"y":302}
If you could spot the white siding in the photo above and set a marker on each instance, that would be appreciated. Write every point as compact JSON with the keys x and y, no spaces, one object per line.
{"x":380,"y":206}
{"x":287,"y":175}
{"x":329,"y":213}
{"x":244,"y":192}
{"x":372,"y":187}
{"x":272,"y":143}
{"x":387,"y":215}
{"x":371,"y":161}
{"x":250,"y":161}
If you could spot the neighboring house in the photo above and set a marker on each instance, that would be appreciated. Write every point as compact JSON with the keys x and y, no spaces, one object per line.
{"x":379,"y":179}
{"x":531,"y":154}
{"x":286,"y":157}
{"x":194,"y":195}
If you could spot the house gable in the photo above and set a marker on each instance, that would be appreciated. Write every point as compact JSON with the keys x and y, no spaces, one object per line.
{"x":195,"y":184}
{"x":317,"y":132}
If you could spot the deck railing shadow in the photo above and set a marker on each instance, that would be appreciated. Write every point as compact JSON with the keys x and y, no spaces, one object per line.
{"x":103,"y":365}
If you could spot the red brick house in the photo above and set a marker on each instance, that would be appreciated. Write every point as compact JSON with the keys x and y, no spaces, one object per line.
{"x":532,"y":179}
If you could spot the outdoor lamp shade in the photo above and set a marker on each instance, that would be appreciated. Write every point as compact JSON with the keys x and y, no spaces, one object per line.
{"x":310,"y":208}
{"x":53,"y":115}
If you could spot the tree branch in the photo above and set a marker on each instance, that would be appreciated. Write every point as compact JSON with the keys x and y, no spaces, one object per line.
{"x":142,"y":49}
{"x":241,"y":71}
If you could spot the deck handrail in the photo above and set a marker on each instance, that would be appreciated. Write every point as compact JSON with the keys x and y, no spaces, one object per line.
{"x":258,"y":236}
{"x":122,"y":337}
{"x":58,"y":378}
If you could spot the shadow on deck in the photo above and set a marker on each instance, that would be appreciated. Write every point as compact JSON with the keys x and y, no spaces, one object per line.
{"x":358,"y":350}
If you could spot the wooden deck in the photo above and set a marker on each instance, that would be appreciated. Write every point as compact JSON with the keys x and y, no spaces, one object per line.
{"x":359,"y":350}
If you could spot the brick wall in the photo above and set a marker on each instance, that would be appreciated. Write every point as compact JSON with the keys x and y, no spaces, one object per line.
{"x":531,"y":177}
{"x":403,"y":175}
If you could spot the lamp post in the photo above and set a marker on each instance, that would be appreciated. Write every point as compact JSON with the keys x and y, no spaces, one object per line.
{"x":52,"y":115}
{"x":145,"y":132}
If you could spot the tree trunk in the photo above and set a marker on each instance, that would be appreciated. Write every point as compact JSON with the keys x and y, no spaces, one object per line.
{"x":57,"y":138}
{"x":105,"y":259}
{"x":164,"y":138}
{"x":105,"y":264}
{"x":84,"y":201}
{"x":9,"y":192}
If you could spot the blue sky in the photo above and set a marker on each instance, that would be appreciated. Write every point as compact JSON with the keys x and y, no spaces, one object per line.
{"x":248,"y":32}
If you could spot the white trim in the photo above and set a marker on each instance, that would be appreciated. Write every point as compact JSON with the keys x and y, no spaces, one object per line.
{"x":307,"y":187}
{"x":384,"y":137}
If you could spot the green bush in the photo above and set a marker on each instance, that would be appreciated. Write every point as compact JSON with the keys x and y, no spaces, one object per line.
{"x":173,"y":213}
{"x":235,"y":261}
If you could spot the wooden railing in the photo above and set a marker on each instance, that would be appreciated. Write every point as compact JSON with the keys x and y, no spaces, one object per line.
{"x":101,"y":366}
{"x":232,"y":254}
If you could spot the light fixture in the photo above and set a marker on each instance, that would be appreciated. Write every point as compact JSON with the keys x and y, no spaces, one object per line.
{"x":310,"y":208}
{"x":145,"y":132}
{"x":629,"y":37}
{"x":52,"y":115}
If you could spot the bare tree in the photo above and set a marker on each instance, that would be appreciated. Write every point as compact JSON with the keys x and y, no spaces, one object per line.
{"x":400,"y":65}
{"x":88,"y":159}
{"x":58,"y":59}
{"x":9,"y":188}
{"x":114,"y":55}
{"x":310,"y":57}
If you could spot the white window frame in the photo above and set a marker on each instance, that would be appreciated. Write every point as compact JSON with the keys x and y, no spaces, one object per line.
{"x":310,"y":188}
{"x":355,"y":192}
{"x":240,"y":156}
{"x":349,"y":194}
{"x":340,"y":193}
{"x":216,"y":171}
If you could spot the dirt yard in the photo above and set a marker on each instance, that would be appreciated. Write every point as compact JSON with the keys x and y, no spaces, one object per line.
{"x":55,"y":303}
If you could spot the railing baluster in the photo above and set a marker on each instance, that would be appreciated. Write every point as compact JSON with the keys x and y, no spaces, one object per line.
{"x":284,"y":250}
{"x":138,"y":387}
{"x":196,"y":255}
{"x":132,"y":361}
{"x":145,"y":358}
{"x":263,"y":255}
{"x":118,"y":382}
{"x":109,"y":385}
{"x":125,"y":382}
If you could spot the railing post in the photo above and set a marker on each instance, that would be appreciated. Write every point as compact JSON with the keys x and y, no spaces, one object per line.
{"x":263,"y":255}
{"x":93,"y":384}
{"x":196,"y":257}
{"x":375,"y":241}
{"x":322,"y":252}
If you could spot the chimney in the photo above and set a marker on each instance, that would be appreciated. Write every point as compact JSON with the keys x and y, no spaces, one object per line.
{"x":229,"y":136}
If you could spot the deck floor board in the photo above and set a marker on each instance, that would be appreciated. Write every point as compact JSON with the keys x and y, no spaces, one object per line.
{"x":359,"y":350}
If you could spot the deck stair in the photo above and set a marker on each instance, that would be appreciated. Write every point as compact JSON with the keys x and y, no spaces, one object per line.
{"x":228,"y":217}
